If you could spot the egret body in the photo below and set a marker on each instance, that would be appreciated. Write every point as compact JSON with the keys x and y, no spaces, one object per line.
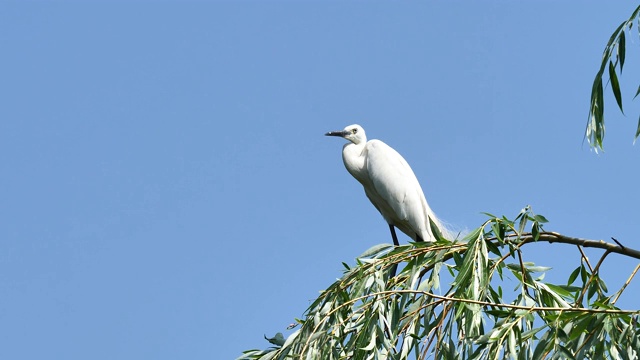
{"x":389,"y":183}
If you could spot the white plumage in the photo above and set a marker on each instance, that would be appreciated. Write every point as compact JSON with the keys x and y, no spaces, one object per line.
{"x":389,"y":183}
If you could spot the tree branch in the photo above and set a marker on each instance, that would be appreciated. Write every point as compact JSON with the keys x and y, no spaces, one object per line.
{"x":554,"y":237}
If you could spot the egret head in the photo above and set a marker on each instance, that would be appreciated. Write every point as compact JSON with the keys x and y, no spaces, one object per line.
{"x":354,"y":133}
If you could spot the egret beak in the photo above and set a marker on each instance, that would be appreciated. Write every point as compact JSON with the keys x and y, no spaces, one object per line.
{"x":340,"y":133}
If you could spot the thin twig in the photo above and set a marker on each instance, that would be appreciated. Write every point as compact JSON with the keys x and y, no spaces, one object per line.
{"x":585,"y":258}
{"x":445,"y":311}
{"x":625,"y":284}
{"x":524,"y":273}
{"x":594,"y":273}
{"x":509,"y":253}
{"x":617,"y":242}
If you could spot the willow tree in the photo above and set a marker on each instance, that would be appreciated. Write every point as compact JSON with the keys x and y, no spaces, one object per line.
{"x":448,"y":299}
{"x":367,"y":314}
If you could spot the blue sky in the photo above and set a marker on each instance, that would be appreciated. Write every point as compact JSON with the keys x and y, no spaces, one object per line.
{"x":168,"y":192}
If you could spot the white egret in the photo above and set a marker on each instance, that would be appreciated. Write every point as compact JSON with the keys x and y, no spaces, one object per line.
{"x":389,"y":183}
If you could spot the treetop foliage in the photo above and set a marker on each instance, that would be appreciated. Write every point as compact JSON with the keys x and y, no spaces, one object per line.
{"x":448,"y":301}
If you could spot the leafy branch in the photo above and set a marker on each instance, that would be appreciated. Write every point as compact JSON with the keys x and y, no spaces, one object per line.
{"x":613,"y":59}
{"x":367,"y":314}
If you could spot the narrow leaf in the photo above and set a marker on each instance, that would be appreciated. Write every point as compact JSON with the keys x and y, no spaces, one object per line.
{"x":561,"y":290}
{"x":584,"y":274}
{"x":636,"y":12}
{"x":435,"y":230}
{"x":534,"y":268}
{"x":535,"y":231}
{"x":615,"y":85}
{"x":512,"y":345}
{"x":621,"y":49}
{"x":541,"y":219}
{"x":599,"y":116}
{"x":573,"y":276}
{"x":593,"y":288}
{"x":615,"y":34}
{"x":637,"y":131}
{"x":600,"y":100}
{"x":493,"y":248}
{"x":372,"y":343}
{"x":278,"y":339}
{"x":603,"y":286}
{"x":375,"y":250}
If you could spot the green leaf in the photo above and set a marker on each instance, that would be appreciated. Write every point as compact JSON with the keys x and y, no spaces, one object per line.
{"x":375,"y":250}
{"x":603,"y":286}
{"x":278,"y":339}
{"x":584,"y":274}
{"x":512,"y":344}
{"x":498,"y":313}
{"x":493,"y":248}
{"x":535,"y":231}
{"x":615,"y":85}
{"x":637,"y":131}
{"x":600,"y":109}
{"x":523,"y":213}
{"x":491,"y":215}
{"x":372,"y":342}
{"x":602,"y":305}
{"x":613,"y":36}
{"x":621,"y":49}
{"x":593,"y":288}
{"x":291,"y":338}
{"x":541,"y":219}
{"x":636,"y":12}
{"x":595,"y":124}
{"x":573,"y":276}
{"x":522,"y":224}
{"x":564,"y":291}
{"x":435,"y":230}
{"x":566,"y":353}
{"x":495,"y":228}
{"x":579,"y":326}
{"x":545,"y":343}
{"x":534,"y":268}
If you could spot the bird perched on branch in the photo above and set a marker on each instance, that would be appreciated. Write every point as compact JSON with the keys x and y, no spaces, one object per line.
{"x":389,"y":183}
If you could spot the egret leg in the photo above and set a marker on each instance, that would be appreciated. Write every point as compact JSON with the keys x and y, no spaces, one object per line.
{"x":394,"y":268}
{"x":393,"y":235}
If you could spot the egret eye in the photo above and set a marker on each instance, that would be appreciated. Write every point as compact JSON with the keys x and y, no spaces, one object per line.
{"x":354,"y":130}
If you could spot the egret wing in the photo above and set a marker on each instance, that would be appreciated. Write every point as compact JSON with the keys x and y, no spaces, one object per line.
{"x":394,"y":183}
